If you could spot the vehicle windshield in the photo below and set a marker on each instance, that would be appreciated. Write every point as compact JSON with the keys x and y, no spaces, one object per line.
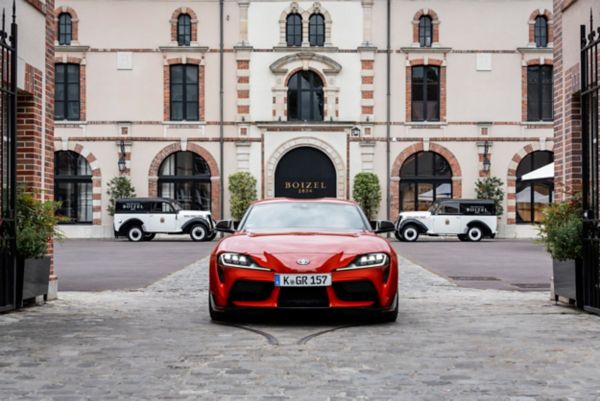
{"x":434,"y":207}
{"x":305,"y":216}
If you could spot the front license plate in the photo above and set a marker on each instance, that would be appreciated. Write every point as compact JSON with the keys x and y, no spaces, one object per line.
{"x":303,"y":280}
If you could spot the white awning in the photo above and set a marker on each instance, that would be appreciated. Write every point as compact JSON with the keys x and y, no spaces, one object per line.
{"x":541,"y":173}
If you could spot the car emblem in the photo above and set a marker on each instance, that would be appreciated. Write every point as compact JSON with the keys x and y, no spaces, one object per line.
{"x":303,"y":261}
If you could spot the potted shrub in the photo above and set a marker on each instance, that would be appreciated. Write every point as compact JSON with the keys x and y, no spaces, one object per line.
{"x":561,"y":231}
{"x":36,"y":227}
{"x":367,"y":193}
{"x":242,"y":187}
{"x":491,"y":188}
{"x":118,"y":188}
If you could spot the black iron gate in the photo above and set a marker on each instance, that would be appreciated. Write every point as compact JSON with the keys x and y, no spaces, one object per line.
{"x":8,"y":132}
{"x":590,"y":91}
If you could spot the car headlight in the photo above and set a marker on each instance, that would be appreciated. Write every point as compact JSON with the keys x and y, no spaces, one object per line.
{"x":231,"y":259}
{"x":367,"y":261}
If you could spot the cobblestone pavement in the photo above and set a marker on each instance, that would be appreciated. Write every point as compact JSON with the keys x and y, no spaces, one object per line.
{"x":158,"y":344}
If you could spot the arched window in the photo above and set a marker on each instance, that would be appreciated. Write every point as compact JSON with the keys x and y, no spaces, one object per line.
{"x":316,"y":30}
{"x":293,"y":30}
{"x":65,"y":29}
{"x":535,"y":191}
{"x":185,"y":177}
{"x":425,"y":31}
{"x":305,"y":97}
{"x":424,"y":177}
{"x":541,"y":31}
{"x":73,"y":186}
{"x":184,"y":30}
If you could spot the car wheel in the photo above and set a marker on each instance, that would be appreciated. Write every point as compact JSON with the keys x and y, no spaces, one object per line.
{"x":410,"y":233}
{"x":398,"y":236}
{"x":391,"y":315}
{"x":149,"y":237}
{"x":462,"y":237}
{"x":475,"y":234}
{"x":135,"y":233}
{"x":198,"y":232}
{"x":211,"y":236}
{"x":215,"y":315}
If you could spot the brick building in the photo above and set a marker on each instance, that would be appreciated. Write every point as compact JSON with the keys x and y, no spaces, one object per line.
{"x":35,"y":97}
{"x":569,"y":16}
{"x":312,"y":93}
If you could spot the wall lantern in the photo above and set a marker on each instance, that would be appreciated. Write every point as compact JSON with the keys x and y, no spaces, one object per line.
{"x":122,"y":163}
{"x":487,"y":164}
{"x":355,"y":131}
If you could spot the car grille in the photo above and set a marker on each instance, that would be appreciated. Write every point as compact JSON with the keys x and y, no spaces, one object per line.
{"x":310,"y":297}
{"x":244,"y":290}
{"x":355,"y":291}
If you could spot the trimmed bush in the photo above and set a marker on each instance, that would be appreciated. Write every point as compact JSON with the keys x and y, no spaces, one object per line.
{"x":36,"y":225}
{"x":491,"y":188}
{"x":367,"y":193}
{"x":242,"y":189}
{"x":118,"y":188}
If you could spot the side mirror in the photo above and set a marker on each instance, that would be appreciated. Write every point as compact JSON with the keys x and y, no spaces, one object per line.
{"x":226,"y":226}
{"x":383,"y":226}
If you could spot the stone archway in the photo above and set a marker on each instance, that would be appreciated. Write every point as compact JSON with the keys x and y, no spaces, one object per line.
{"x":96,"y":176}
{"x":215,"y":177}
{"x":312,"y":142}
{"x":415,"y":148}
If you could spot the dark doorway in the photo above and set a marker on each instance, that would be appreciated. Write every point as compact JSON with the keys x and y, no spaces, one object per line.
{"x":305,"y":173}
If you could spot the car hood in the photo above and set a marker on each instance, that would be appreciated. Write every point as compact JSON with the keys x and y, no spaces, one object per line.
{"x":325,"y":251}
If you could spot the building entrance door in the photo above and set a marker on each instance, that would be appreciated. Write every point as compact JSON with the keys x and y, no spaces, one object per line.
{"x":305,"y":172}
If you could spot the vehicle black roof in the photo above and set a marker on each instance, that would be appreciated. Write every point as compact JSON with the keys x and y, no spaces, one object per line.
{"x":144,"y":200}
{"x":467,"y":200}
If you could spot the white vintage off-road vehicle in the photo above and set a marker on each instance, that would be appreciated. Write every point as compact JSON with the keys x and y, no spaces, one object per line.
{"x":469,"y":219}
{"x":140,"y":219}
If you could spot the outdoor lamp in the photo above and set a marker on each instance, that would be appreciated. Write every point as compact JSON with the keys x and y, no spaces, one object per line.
{"x":122,"y":163}
{"x":486,"y":160}
{"x":355,"y":131}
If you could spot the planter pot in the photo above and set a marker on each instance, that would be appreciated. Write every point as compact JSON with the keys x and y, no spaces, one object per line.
{"x":566,"y":279}
{"x":33,"y":276}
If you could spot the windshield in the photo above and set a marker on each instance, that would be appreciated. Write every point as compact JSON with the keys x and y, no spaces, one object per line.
{"x":304,"y":216}
{"x":434,"y":206}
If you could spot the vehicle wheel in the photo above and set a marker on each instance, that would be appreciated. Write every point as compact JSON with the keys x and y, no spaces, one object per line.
{"x":475,"y":234}
{"x":198,"y":232}
{"x":211,"y":236}
{"x":398,"y":236}
{"x":215,"y":315}
{"x":462,"y":237}
{"x":410,"y":233}
{"x":135,"y":234}
{"x":390,"y":316}
{"x":149,"y":237}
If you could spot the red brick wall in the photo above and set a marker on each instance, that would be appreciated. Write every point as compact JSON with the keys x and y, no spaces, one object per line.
{"x":567,"y":114}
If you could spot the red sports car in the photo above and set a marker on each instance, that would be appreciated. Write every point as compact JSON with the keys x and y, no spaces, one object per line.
{"x":304,"y":254}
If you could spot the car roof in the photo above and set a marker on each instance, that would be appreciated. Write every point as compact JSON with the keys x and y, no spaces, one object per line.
{"x":468,"y":200}
{"x":144,"y":200}
{"x":309,"y":200}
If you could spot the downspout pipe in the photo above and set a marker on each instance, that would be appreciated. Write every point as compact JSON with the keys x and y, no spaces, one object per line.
{"x":221,"y":111}
{"x":388,"y":112}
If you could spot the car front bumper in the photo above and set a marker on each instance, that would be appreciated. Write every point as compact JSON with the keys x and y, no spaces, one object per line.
{"x":370,"y":288}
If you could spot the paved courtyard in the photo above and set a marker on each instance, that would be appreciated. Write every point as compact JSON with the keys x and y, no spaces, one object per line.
{"x":515,"y":265}
{"x":158,"y":343}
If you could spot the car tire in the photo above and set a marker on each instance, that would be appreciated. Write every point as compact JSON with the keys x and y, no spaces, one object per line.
{"x":149,"y":236}
{"x":135,"y":233}
{"x":211,"y":236}
{"x":475,"y":234}
{"x":215,"y":315}
{"x":390,"y":316}
{"x":199,"y":232}
{"x":462,"y":237}
{"x":410,"y":233}
{"x":398,"y":236}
